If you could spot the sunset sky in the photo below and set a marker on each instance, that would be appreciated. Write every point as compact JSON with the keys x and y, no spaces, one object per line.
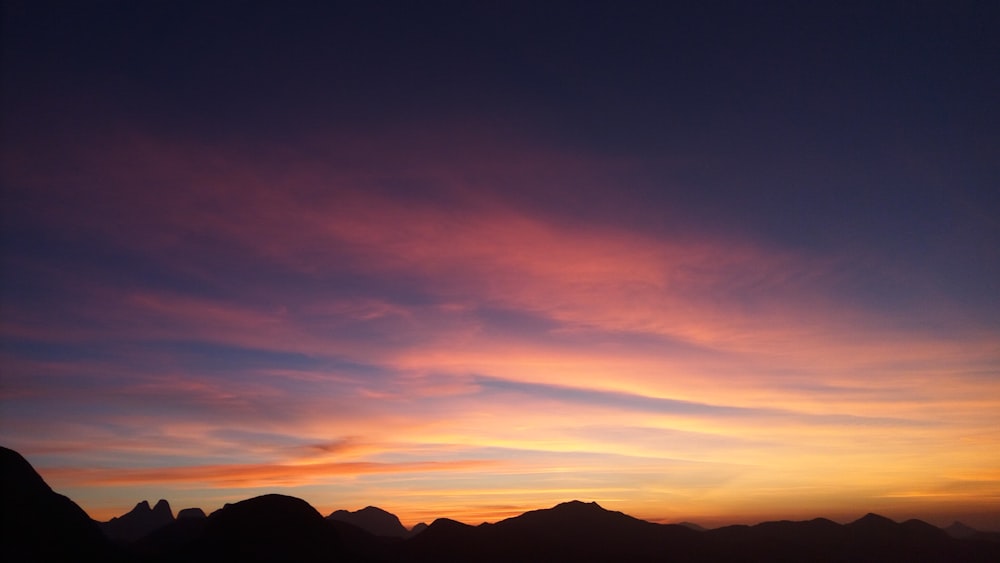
{"x":711,"y":261}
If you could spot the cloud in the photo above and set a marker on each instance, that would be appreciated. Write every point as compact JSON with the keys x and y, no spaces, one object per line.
{"x":253,"y":475}
{"x":662,"y":405}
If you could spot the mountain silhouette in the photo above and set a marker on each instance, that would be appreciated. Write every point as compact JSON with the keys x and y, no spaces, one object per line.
{"x":443,"y":540}
{"x":172,"y":542}
{"x":373,"y":520}
{"x":417,"y":529}
{"x":813,"y":540}
{"x":138,"y":522}
{"x":266,"y":528}
{"x":960,"y":531}
{"x":195,"y":513}
{"x":571,"y":531}
{"x":38,"y":524}
{"x":872,"y":522}
{"x":878,"y":538}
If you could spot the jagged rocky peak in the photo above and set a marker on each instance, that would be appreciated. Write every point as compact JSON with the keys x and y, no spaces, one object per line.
{"x":142,"y":509}
{"x":138,"y":522}
{"x":163,"y":507}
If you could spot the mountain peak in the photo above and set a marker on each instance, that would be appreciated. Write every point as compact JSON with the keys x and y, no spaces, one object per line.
{"x":959,"y":530}
{"x":872,"y":519}
{"x":579,"y":506}
{"x":139,"y":521}
{"x":195,"y":513}
{"x":162,"y":509}
{"x":271,"y":527}
{"x":373,"y":520}
{"x":571,"y":517}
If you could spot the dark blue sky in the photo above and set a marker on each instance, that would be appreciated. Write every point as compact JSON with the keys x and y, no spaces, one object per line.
{"x":826,"y":126}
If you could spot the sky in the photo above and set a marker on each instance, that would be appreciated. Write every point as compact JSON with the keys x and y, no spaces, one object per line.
{"x":721,"y":262}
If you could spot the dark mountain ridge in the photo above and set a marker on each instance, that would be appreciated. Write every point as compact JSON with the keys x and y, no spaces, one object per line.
{"x":40,"y":525}
{"x":196,"y":513}
{"x":138,"y":522}
{"x":571,"y":531}
{"x":374,"y":520}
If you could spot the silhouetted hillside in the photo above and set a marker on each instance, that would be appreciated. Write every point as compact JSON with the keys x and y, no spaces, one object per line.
{"x":38,"y":524}
{"x":372,"y":519}
{"x":138,"y":522}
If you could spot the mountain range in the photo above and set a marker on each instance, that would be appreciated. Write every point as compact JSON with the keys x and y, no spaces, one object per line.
{"x":41,"y":525}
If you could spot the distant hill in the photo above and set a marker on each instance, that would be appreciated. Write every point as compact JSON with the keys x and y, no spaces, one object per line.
{"x":572,"y":531}
{"x":373,"y":520}
{"x":417,"y":529}
{"x":196,"y":513}
{"x":138,"y":522}
{"x":266,"y":528}
{"x":37,"y":524}
{"x":40,"y":525}
{"x":959,"y":530}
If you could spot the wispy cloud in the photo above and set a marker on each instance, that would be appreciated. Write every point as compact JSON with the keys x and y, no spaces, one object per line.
{"x":250,"y":475}
{"x":663,"y":405}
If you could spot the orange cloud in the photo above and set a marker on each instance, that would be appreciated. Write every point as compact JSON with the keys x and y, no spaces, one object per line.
{"x":254,"y":475}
